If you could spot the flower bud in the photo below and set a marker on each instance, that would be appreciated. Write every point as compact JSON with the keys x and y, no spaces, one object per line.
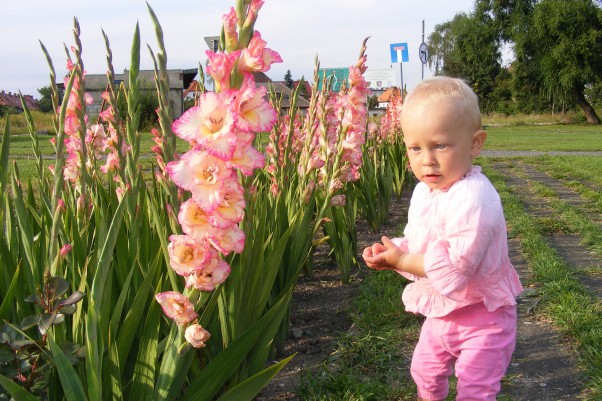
{"x":65,"y":249}
{"x":338,"y":200}
{"x":196,"y":335}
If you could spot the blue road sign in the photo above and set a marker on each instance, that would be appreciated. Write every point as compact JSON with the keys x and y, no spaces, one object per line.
{"x":399,"y":53}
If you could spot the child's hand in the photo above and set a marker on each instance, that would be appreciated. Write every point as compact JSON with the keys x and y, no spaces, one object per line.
{"x":385,"y":256}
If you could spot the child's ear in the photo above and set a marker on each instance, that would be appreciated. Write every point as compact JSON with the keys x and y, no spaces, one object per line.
{"x":478,"y":141}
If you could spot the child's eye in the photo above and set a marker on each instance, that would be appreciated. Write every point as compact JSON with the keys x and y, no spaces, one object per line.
{"x":440,"y":146}
{"x":414,"y":148}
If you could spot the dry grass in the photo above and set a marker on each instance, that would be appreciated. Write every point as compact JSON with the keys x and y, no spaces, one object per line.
{"x":18,"y":123}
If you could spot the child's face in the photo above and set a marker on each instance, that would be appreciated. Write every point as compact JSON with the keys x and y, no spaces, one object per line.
{"x":440,"y":144}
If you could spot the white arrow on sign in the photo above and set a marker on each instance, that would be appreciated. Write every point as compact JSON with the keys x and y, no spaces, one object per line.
{"x":423,"y":52}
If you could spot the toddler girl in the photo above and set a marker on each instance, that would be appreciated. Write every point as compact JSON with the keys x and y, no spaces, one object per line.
{"x":454,"y":248}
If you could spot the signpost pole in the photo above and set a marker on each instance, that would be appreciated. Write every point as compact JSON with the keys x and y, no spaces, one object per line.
{"x":401,"y":75}
{"x":422,"y":42}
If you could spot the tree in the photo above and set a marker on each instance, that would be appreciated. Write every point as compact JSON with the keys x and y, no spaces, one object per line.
{"x":570,"y":32}
{"x":288,"y":79}
{"x":372,"y":102}
{"x":558,"y":47}
{"x":468,"y":47}
{"x":45,"y":103}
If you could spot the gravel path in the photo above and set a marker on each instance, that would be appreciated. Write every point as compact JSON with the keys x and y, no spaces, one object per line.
{"x":544,"y":365}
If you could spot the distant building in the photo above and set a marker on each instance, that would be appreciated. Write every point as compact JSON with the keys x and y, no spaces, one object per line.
{"x":96,"y":84}
{"x":281,"y":91}
{"x":386,"y":96}
{"x":13,"y":100}
{"x":182,"y":83}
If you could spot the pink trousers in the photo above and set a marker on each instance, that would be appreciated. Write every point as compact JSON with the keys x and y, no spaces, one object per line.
{"x":478,"y":343}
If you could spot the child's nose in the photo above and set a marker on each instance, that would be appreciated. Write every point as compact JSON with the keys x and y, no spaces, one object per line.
{"x":428,"y":158}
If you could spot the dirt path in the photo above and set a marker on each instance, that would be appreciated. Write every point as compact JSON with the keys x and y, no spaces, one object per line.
{"x":544,"y":365}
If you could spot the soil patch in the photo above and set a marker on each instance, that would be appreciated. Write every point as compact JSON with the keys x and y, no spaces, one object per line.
{"x":320,"y":308}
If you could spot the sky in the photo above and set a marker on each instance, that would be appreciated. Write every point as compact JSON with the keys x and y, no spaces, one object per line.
{"x":300,"y":31}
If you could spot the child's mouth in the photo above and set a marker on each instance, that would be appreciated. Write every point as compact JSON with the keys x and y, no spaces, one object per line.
{"x":431,"y":177}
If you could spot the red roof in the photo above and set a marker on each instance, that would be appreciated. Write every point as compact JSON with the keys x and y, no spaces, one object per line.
{"x":388,"y":94}
{"x":13,"y":100}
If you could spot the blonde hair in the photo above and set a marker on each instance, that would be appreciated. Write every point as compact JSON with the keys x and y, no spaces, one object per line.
{"x":443,"y":88}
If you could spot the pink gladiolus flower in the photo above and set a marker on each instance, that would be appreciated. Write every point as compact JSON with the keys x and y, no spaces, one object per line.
{"x":209,"y":124}
{"x":246,"y":158}
{"x":187,"y":255}
{"x":256,"y":57}
{"x":372,"y":130}
{"x":338,"y":200}
{"x":353,"y":156}
{"x":96,"y":137}
{"x":71,"y":173}
{"x":254,"y":8}
{"x":119,"y":192}
{"x":112,"y":163}
{"x":220,"y":66}
{"x":202,"y":174}
{"x":176,"y":306}
{"x":274,"y":189}
{"x":315,"y":162}
{"x":309,"y":190}
{"x":194,"y":221}
{"x":335,"y":185}
{"x":71,"y":124}
{"x":230,"y":26}
{"x":65,"y":249}
{"x":196,"y":335}
{"x":348,"y":173}
{"x":107,"y":115}
{"x":355,"y":138}
{"x":255,"y":113}
{"x":231,"y":239}
{"x":231,"y":209}
{"x":207,"y":278}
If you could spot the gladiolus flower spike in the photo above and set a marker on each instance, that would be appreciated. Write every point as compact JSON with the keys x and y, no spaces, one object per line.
{"x":221,"y":130}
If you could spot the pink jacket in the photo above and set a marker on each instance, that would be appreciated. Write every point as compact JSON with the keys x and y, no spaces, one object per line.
{"x":462,"y":234}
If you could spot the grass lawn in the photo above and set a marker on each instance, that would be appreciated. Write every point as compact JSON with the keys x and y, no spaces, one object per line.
{"x":573,"y":137}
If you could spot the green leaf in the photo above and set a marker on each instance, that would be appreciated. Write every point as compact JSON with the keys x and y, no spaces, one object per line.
{"x":219,"y":369}
{"x":8,"y":301}
{"x":72,"y":299}
{"x":46,"y":320}
{"x":106,"y":255}
{"x":30,"y":321}
{"x":143,"y":379}
{"x":27,"y":236}
{"x":4,"y":152}
{"x":72,"y":385}
{"x":248,"y":389}
{"x":16,"y":391}
{"x":58,"y":286}
{"x":137,"y":311}
{"x":94,"y":345}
